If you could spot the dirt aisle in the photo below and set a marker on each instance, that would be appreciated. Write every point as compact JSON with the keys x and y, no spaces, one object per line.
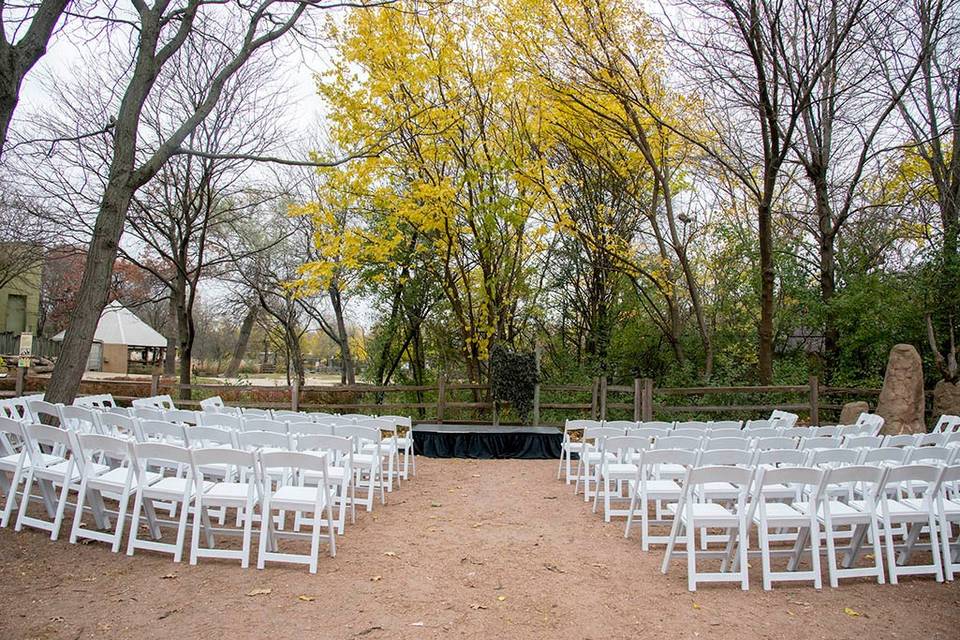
{"x":472,"y":549}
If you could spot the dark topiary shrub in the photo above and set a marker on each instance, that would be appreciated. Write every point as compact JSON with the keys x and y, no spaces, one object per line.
{"x":513,"y":377}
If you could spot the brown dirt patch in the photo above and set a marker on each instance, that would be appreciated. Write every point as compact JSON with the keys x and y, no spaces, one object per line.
{"x":508,"y":553}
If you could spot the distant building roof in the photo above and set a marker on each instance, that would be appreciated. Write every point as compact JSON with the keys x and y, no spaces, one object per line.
{"x":119,"y":325}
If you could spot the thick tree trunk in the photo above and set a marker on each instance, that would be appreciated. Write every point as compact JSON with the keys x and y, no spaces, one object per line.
{"x":170,"y":357}
{"x":765,"y":326}
{"x":828,"y":280}
{"x":92,"y":295}
{"x":186,"y":331}
{"x":246,"y":328}
{"x":346,"y":359}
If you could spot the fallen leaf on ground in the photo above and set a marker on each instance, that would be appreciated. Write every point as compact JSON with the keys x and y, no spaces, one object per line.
{"x":259,"y":592}
{"x":306,"y":598}
{"x":501,"y":598}
{"x":553,"y":567}
{"x":391,"y":554}
{"x":478,"y":606}
{"x":853,"y":613}
{"x":417,"y":624}
{"x":434,"y":504}
{"x":696,"y":606}
{"x":376,"y":578}
{"x":169,"y":576}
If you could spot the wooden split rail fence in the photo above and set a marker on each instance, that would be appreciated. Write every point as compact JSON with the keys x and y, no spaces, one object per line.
{"x":460,"y":402}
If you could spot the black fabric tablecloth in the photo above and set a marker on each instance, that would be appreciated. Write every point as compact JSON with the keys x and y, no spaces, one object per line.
{"x":443,"y":441}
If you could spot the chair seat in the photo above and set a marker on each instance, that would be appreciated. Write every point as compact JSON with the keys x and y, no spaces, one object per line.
{"x":10,"y":462}
{"x":718,"y":490}
{"x":174,"y":487}
{"x":333,"y":473}
{"x":621,"y":470}
{"x":837,"y":509}
{"x":951,"y":507}
{"x":404,"y":443}
{"x":594,"y":457}
{"x":363,"y":459}
{"x":706,"y":511}
{"x":228,"y":491}
{"x":673,"y":470}
{"x":572,"y":446}
{"x":117,"y":479}
{"x":668,"y":488}
{"x":780,"y":511}
{"x":295,"y":495}
{"x":896,"y":507}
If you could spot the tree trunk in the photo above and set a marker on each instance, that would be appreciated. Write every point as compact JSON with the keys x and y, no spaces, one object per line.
{"x":246,"y":328}
{"x":93,"y":293}
{"x":828,"y":282}
{"x":346,"y":359}
{"x":170,"y":357}
{"x":186,"y":331}
{"x":765,"y":327}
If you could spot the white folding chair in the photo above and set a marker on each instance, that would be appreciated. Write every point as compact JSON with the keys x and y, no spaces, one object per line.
{"x":182,"y":416}
{"x":304,"y":499}
{"x":14,"y":460}
{"x":162,"y":431}
{"x":726,"y":424}
{"x":222,"y":420}
{"x":119,"y":483}
{"x":572,"y":443}
{"x":224,"y":491}
{"x":774,"y":442}
{"x":263,"y":424}
{"x":366,"y":460}
{"x":769,"y":511}
{"x":783,"y":419}
{"x":833,"y":512}
{"x":901,"y":440}
{"x":590,"y":456}
{"x":947,"y":424}
{"x":80,"y":419}
{"x":119,"y":426}
{"x":623,"y":425}
{"x":650,"y":485}
{"x":758,"y":424}
{"x":251,"y":412}
{"x":817,"y":442}
{"x":698,"y":425}
{"x":914,"y":513}
{"x":388,"y":448}
{"x":690,"y":514}
{"x":657,"y":424}
{"x":169,"y":489}
{"x":621,"y":469}
{"x":711,"y":443}
{"x":883,"y":456}
{"x":404,"y":439}
{"x":48,"y":474}
{"x":948,"y":513}
{"x":147,"y":413}
{"x":339,"y":451}
{"x":760,"y":434}
{"x":46,"y":412}
{"x":862,"y":442}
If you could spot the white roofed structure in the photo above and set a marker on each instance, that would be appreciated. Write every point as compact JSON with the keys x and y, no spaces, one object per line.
{"x":120,"y":331}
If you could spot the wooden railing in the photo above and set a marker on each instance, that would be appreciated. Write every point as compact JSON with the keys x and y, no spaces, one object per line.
{"x":452,"y":401}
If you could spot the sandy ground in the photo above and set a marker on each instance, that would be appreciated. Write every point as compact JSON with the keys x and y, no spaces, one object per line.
{"x":472,"y":549}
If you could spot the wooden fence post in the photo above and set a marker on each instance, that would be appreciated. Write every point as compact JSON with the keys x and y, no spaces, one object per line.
{"x":647,"y":404}
{"x":603,"y":398}
{"x":155,"y":384}
{"x":441,"y":397}
{"x":536,"y":387}
{"x":295,"y":394}
{"x":21,"y":380}
{"x":814,"y":401}
{"x":593,"y":399}
{"x":637,"y":400}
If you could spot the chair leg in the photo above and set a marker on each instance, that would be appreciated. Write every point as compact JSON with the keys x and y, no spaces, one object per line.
{"x":891,"y":554}
{"x":674,"y":532}
{"x":315,"y":540}
{"x":247,"y":537}
{"x":265,"y":519}
{"x":195,"y":531}
{"x":743,"y":533}
{"x":78,"y":512}
{"x":633,"y":506}
{"x":61,"y":504}
{"x":121,"y":517}
{"x":11,"y":501}
{"x":691,"y":556}
{"x":135,"y":523}
{"x":24,"y":501}
{"x":764,"y":536}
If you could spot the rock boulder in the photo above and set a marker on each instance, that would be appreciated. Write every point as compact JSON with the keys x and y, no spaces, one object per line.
{"x":901,"y":399}
{"x":852,"y":410}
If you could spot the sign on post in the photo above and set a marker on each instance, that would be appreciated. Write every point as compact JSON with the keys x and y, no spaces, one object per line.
{"x":26,"y":350}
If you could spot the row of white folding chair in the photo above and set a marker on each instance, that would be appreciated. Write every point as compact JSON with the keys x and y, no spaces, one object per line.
{"x":80,"y":472}
{"x":162,"y":402}
{"x":695,"y":501}
{"x":99,"y":401}
{"x":623,"y":459}
{"x":947,"y":424}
